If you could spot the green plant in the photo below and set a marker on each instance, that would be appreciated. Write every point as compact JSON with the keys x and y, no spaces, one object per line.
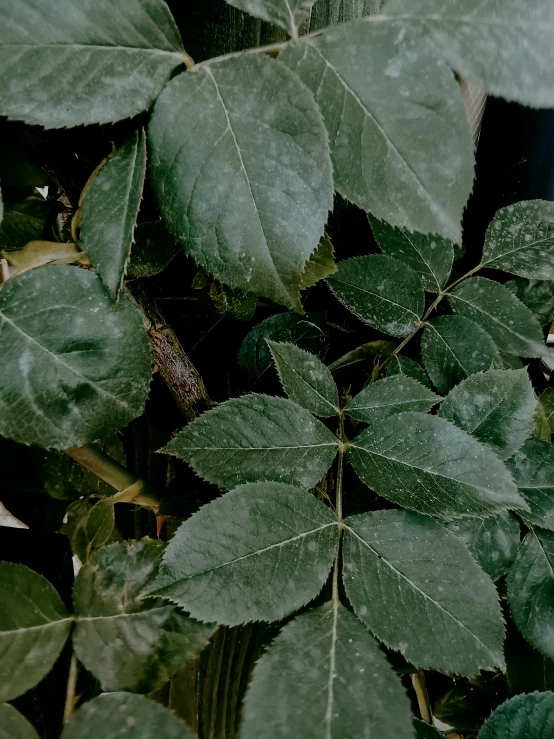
{"x":389,"y":529}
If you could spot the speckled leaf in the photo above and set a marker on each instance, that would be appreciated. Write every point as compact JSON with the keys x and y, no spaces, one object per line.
{"x":493,"y":541}
{"x":547,"y":403}
{"x":398,"y":562}
{"x":34,"y":625}
{"x":384,"y":398}
{"x":110,"y":210}
{"x":13,"y":725}
{"x":400,"y":365}
{"x":423,"y":730}
{"x":453,"y":348}
{"x":99,"y":526}
{"x":521,"y":717}
{"x":533,"y":470}
{"x":325,"y":676}
{"x":73,"y":369}
{"x":512,"y":326}
{"x":427,"y":464}
{"x":305,"y":379}
{"x":320,"y":265}
{"x":258,"y":553}
{"x":76,"y":62}
{"x":497,"y":407}
{"x":246,"y":185}
{"x":406,"y":158}
{"x":288,"y":14}
{"x":381,"y":291}
{"x":255,"y":438}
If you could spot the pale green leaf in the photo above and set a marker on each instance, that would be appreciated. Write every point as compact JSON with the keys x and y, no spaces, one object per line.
{"x":521,"y":717}
{"x":384,"y":398}
{"x":254,"y":438}
{"x":13,"y":725}
{"x":152,"y":251}
{"x":325,"y":676}
{"x":258,"y":553}
{"x":453,"y":348}
{"x":423,"y":730}
{"x":427,"y":464}
{"x":23,"y":221}
{"x":73,"y":368}
{"x":512,"y":326}
{"x":533,"y":470}
{"x":320,"y":265}
{"x":287,"y":14}
{"x":99,"y":526}
{"x":245,"y":186}
{"x":305,"y":379}
{"x":400,"y":365}
{"x":34,"y":625}
{"x":74,"y":62}
{"x":381,"y":291}
{"x":125,"y":716}
{"x":497,"y":407}
{"x":547,"y":403}
{"x":110,"y":211}
{"x":398,"y":563}
{"x":363,"y":352}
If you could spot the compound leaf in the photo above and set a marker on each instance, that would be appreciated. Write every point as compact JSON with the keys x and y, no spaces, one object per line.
{"x":533,"y":470}
{"x":287,"y":14}
{"x":521,"y":717}
{"x":384,"y":398}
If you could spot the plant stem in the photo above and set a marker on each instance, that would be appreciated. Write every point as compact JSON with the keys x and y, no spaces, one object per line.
{"x":418,"y":681}
{"x":70,"y":693}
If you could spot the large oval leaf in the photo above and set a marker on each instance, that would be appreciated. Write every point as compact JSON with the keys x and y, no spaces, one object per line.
{"x":533,"y":470}
{"x":521,"y":717}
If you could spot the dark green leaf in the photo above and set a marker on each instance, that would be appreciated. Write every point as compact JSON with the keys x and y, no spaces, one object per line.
{"x":320,"y":265}
{"x":423,"y":730}
{"x":23,"y":222}
{"x":152,"y":251}
{"x":547,"y":403}
{"x":74,"y":369}
{"x":13,"y":725}
{"x":363,"y":352}
{"x":405,"y":366}
{"x":325,"y":676}
{"x":398,"y":563}
{"x":539,"y":298}
{"x":427,"y":464}
{"x":254,"y":438}
{"x":34,"y":625}
{"x":384,"y":398}
{"x":288,"y":14}
{"x":381,"y":291}
{"x":258,"y":553}
{"x":521,"y":717}
{"x":526,"y":669}
{"x":533,"y":471}
{"x":99,"y":526}
{"x":246,"y":185}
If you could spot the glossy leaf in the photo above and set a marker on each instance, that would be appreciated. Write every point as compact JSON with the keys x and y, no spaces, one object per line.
{"x":246,"y":185}
{"x":255,"y":438}
{"x":398,"y":562}
{"x":288,"y":14}
{"x":258,"y":553}
{"x":384,"y":398}
{"x":13,"y":725}
{"x":34,"y":625}
{"x":400,"y":365}
{"x":314,"y":681}
{"x":320,"y":265}
{"x":305,"y":379}
{"x":533,"y":470}
{"x":381,"y":291}
{"x":427,"y":464}
{"x":521,"y":717}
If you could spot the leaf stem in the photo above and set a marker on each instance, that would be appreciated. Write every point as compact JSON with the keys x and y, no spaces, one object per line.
{"x":70,"y":692}
{"x":423,"y":701}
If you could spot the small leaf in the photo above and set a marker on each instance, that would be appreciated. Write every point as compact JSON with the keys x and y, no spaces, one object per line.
{"x":493,"y":542}
{"x":248,"y":194}
{"x":533,"y":470}
{"x":427,"y":464}
{"x":363,"y":352}
{"x":398,"y":563}
{"x":453,"y":348}
{"x":381,"y":291}
{"x":430,"y":257}
{"x":423,"y":730}
{"x":287,"y":14}
{"x":125,"y":716}
{"x":400,"y":365}
{"x":74,"y":369}
{"x":325,"y":676}
{"x":305,"y":379}
{"x":531,"y":590}
{"x":23,"y":221}
{"x":34,"y":626}
{"x":110,"y":211}
{"x":542,"y":427}
{"x":547,"y":403}
{"x":512,"y":326}
{"x":320,"y":265}
{"x":258,"y":553}
{"x":521,"y":717}
{"x":99,"y":526}
{"x":13,"y":725}
{"x":152,"y":251}
{"x":125,"y":641}
{"x":497,"y":407}
{"x":384,"y":398}
{"x":255,"y":438}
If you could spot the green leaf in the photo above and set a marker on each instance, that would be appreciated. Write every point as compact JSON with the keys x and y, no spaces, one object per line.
{"x":493,"y":542}
{"x":125,"y":716}
{"x":405,"y":158}
{"x":110,"y":211}
{"x":246,"y":185}
{"x":400,"y":365}
{"x":99,"y":526}
{"x":305,"y":379}
{"x":497,"y":407}
{"x":363,"y":352}
{"x":384,"y":398}
{"x":505,"y":48}
{"x":531,"y":590}
{"x":537,"y":295}
{"x":34,"y":625}
{"x":325,"y":676}
{"x":256,"y":438}
{"x":152,"y":251}
{"x":398,"y":563}
{"x":533,"y":470}
{"x":427,"y":464}
{"x":423,"y":730}
{"x":258,"y":553}
{"x":526,"y":669}
{"x":542,"y":427}
{"x":74,"y":369}
{"x":127,"y":642}
{"x":75,"y":63}
{"x":430,"y":257}
{"x":521,"y":717}
{"x":453,"y":348}
{"x":23,"y":222}
{"x":546,"y":401}
{"x":320,"y":265}
{"x":512,"y":326}
{"x":381,"y":291}
{"x":287,"y":14}
{"x":13,"y":725}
